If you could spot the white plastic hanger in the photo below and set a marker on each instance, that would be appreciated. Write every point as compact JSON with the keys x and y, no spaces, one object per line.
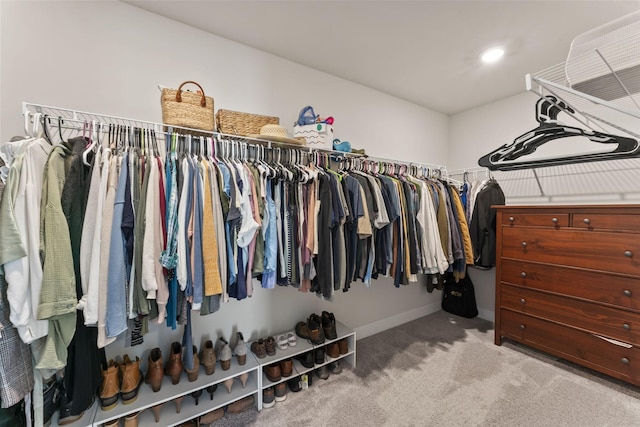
{"x":93,"y":139}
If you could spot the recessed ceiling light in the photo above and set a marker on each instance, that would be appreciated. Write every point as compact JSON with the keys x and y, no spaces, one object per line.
{"x":492,"y":55}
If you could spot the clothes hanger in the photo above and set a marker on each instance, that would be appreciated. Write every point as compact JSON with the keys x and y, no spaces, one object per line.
{"x":45,"y":120}
{"x":60,"y":121}
{"x":92,"y":143}
{"x":28,"y":128}
{"x":549,"y":129}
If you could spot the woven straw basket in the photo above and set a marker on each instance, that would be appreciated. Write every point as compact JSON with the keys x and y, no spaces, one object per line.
{"x":187,"y":109}
{"x":245,"y":124}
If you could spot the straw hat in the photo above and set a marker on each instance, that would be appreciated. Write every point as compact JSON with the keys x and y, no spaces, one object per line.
{"x":277,"y":133}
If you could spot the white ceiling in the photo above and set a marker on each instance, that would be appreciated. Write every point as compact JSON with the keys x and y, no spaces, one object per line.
{"x":426,"y":52}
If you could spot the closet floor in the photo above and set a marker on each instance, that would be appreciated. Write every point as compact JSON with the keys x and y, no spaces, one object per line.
{"x":443,"y":370}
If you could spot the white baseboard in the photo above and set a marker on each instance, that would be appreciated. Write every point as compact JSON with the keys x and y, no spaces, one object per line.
{"x":396,"y":320}
{"x":486,"y":314}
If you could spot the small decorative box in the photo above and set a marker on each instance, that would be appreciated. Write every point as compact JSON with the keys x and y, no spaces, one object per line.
{"x":318,"y":135}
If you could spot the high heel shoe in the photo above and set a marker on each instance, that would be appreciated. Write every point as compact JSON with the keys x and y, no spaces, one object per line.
{"x":228,"y":383}
{"x":225,"y":354}
{"x":131,"y":420}
{"x":211,"y":389}
{"x":243,"y":379}
{"x":240,"y":349}
{"x":178,"y":401}
{"x":196,"y":395}
{"x":156,"y":411}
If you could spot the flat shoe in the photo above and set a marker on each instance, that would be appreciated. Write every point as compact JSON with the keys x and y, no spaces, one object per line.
{"x":283,"y":342}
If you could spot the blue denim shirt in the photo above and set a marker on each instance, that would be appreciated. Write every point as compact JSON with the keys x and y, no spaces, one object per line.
{"x":118,"y":280}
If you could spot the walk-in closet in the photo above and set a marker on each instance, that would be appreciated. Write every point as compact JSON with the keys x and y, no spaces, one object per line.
{"x":232,"y":213}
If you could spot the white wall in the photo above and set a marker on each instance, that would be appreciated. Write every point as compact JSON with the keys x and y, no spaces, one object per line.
{"x":108,"y":57}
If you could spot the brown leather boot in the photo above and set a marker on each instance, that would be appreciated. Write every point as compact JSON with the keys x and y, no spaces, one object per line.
{"x":333,"y":350}
{"x":192,"y":374}
{"x":174,"y":365}
{"x":131,"y":379}
{"x":208,"y":357}
{"x":286,"y":367}
{"x":343,"y":345}
{"x":110,"y":387}
{"x":154,"y":373}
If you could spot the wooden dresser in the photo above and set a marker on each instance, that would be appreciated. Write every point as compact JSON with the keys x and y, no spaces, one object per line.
{"x":568,"y":283}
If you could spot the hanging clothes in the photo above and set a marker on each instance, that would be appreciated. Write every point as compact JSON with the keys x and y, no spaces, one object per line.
{"x":483,"y":224}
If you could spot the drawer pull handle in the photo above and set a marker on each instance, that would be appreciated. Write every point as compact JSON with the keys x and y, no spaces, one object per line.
{"x":511,"y":219}
{"x":524,"y":244}
{"x":628,"y":254}
{"x":522,"y":327}
{"x":626,"y":327}
{"x":522,"y":300}
{"x":523,"y":274}
{"x":554,"y":220}
{"x":586,"y":221}
{"x":627,"y":292}
{"x":614,"y":342}
{"x":625,"y":360}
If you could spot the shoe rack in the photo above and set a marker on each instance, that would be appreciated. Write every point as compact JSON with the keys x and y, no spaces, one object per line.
{"x":256,"y":383}
{"x":301,"y":347}
{"x":168,"y":394}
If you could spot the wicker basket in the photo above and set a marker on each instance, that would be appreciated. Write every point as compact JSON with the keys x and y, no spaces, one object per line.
{"x":187,"y":109}
{"x":245,"y":124}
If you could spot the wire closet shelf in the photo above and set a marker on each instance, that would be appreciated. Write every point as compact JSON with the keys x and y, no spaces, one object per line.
{"x":80,"y":118}
{"x":599,"y":87}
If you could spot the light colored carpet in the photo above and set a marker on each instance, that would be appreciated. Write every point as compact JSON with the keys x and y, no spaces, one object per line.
{"x":443,"y":370}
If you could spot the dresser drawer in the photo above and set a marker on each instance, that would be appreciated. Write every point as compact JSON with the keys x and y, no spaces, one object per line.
{"x":619,"y":324}
{"x":535,"y":220}
{"x":626,"y":223}
{"x":618,"y":360}
{"x":605,"y":288}
{"x":604,"y":251}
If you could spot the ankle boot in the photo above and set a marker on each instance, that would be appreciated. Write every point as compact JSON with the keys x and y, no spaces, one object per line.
{"x":131,"y":379}
{"x":174,"y":365}
{"x":225,"y":354}
{"x":154,"y":373}
{"x":240,"y":349}
{"x":329,"y":325}
{"x":110,"y":388}
{"x":192,"y":374}
{"x":208,"y":358}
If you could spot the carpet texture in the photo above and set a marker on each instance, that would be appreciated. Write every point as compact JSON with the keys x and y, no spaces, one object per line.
{"x":443,"y":370}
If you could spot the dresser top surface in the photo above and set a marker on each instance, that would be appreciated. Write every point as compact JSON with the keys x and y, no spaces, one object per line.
{"x":632,"y":208}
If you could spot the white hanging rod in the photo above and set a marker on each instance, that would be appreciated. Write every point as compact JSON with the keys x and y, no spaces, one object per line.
{"x":441,"y":168}
{"x":83,"y":116}
{"x":469,"y":170}
{"x":78,"y":116}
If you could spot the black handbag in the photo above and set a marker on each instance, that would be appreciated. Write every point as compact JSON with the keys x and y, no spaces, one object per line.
{"x":459,"y":298}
